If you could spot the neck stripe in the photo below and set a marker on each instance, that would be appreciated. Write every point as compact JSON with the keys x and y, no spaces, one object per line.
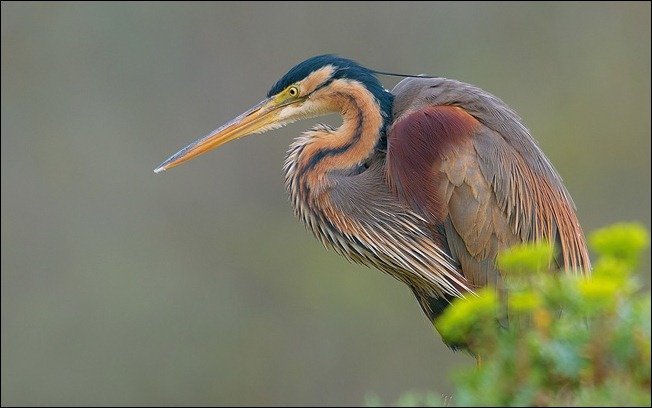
{"x":325,"y":152}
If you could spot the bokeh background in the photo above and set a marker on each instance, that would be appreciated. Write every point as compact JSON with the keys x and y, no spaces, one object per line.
{"x":198,"y":286}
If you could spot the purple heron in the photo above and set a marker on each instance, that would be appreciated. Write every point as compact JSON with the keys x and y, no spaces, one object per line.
{"x":427,"y":182}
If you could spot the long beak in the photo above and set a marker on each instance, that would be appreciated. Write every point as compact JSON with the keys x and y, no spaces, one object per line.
{"x":257,"y":119}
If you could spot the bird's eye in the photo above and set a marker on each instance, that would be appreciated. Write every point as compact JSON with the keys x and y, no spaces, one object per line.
{"x":293,"y":91}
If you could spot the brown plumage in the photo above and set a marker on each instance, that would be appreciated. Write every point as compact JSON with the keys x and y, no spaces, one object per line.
{"x":426,"y":183}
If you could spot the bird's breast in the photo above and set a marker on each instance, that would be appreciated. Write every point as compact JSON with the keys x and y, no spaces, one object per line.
{"x":355,"y":213}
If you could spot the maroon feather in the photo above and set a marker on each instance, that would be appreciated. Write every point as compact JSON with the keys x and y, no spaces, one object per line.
{"x":416,"y":143}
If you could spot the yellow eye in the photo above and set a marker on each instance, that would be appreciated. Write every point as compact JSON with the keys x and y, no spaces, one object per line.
{"x":293,"y":91}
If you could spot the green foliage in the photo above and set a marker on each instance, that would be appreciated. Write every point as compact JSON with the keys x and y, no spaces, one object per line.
{"x":469,"y":316}
{"x":623,"y":242}
{"x":572,"y":339}
{"x":526,"y":259}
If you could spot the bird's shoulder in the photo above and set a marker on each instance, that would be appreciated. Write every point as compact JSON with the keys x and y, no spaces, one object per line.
{"x":418,"y":92}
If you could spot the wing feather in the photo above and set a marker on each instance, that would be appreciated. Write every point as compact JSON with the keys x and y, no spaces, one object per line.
{"x":454,"y":170}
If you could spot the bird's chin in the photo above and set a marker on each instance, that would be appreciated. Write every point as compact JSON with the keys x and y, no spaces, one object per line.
{"x":272,"y":126}
{"x":304,"y":110}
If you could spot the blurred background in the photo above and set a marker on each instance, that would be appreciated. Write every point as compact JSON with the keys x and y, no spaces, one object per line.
{"x":198,"y":286}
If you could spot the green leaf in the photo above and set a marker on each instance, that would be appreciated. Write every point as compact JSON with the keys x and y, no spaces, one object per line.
{"x":460,"y":319}
{"x":526,"y":259}
{"x":623,"y":241}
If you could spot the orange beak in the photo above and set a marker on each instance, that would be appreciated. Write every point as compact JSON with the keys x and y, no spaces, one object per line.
{"x":261,"y":117}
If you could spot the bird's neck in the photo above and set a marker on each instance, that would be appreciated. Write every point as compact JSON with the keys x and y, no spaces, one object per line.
{"x":322,"y":156}
{"x":323,"y":151}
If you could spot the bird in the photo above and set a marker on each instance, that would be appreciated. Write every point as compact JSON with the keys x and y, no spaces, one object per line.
{"x":428,"y":182}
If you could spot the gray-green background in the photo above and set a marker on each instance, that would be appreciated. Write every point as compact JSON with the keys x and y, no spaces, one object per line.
{"x":198,"y":286}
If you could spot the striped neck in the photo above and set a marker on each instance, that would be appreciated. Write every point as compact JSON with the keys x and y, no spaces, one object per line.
{"x":320,"y":155}
{"x":323,"y":150}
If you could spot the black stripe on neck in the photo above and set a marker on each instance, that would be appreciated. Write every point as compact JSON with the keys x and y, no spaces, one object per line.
{"x":325,"y":152}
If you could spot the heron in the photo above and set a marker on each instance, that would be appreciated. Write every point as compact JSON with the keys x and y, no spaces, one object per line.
{"x":427,"y":182}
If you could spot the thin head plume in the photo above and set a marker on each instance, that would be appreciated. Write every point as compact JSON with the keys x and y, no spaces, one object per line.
{"x":402,"y":75}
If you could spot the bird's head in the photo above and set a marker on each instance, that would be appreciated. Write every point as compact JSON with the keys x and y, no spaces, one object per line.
{"x":307,"y":90}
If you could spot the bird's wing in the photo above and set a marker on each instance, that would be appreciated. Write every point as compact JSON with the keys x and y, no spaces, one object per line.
{"x":475,"y":185}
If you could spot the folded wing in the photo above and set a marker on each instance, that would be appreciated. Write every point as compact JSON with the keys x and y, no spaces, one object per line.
{"x":461,"y":159}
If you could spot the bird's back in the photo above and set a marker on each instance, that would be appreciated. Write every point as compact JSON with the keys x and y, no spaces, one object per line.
{"x":463,"y":160}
